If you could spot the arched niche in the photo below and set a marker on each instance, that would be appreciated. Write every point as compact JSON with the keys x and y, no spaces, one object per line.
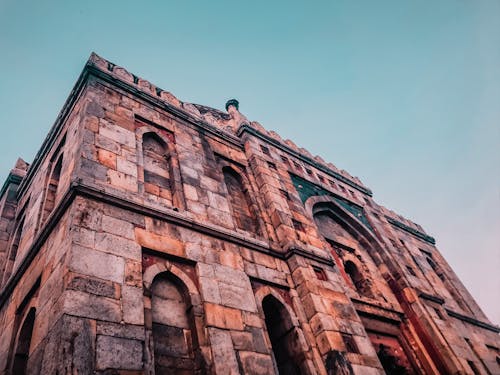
{"x":52,"y":188}
{"x":358,"y":280}
{"x":173,"y":327}
{"x":282,"y":335}
{"x":241,"y":205}
{"x":23,"y":343}
{"x":158,"y":171}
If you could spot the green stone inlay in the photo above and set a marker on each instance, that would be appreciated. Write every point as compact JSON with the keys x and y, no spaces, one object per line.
{"x":307,"y":189}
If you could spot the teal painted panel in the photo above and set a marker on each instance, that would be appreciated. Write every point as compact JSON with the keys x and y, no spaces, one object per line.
{"x":307,"y":189}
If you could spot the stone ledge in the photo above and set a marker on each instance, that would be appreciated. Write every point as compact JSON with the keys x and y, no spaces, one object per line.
{"x":472,"y":321}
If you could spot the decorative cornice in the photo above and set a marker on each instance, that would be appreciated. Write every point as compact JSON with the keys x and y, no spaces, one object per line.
{"x":248,"y":129}
{"x":411,"y":230}
{"x":473,"y":321}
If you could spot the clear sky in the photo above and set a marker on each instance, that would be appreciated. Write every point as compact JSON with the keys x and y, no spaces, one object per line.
{"x":403,"y":94}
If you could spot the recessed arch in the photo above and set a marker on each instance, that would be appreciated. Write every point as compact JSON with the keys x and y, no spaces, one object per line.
{"x":282,"y":336}
{"x":173,"y":326}
{"x":23,"y":343}
{"x":176,"y":325}
{"x":241,"y":205}
{"x":358,"y":280}
{"x":52,"y":188}
{"x":158,"y":171}
{"x":323,"y":204}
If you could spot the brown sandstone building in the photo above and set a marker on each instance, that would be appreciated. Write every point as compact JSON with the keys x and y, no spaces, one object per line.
{"x":152,"y":236}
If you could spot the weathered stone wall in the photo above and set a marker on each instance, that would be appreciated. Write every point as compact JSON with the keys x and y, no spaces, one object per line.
{"x":167,"y":237}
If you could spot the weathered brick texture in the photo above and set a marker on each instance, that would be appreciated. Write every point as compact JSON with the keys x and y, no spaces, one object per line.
{"x":152,"y":236}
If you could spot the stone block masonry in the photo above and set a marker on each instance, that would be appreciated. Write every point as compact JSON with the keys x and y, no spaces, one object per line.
{"x":153,"y":236}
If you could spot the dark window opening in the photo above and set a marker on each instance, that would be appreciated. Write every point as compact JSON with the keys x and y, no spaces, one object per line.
{"x":390,"y":362}
{"x":426,"y":252}
{"x":297,"y":165}
{"x":298,"y":225}
{"x":52,"y":189}
{"x":321,"y":178}
{"x":411,"y":271}
{"x":320,"y":273}
{"x":283,"y":337}
{"x":332,"y":183}
{"x":438,"y":313}
{"x":350,"y":344}
{"x":309,"y":172}
{"x":272,"y":165}
{"x":265,"y":150}
{"x":473,"y":367}
{"x":21,"y":354}
{"x":284,"y":159}
{"x":359,"y":282}
{"x":285,"y":194}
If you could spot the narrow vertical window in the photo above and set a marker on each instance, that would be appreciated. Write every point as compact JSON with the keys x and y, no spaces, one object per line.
{"x":9,"y":264}
{"x":243,"y":213}
{"x":157,"y":172}
{"x":358,"y":281}
{"x":52,"y":188}
{"x":21,"y":353}
{"x":282,"y":336}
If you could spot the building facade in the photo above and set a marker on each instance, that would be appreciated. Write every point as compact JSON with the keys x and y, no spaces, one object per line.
{"x":153,"y":236}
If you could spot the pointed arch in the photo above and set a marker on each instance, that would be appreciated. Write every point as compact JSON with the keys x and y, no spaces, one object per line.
{"x":52,"y":188}
{"x":282,"y":336}
{"x":326,"y":205}
{"x":241,"y":205}
{"x":172,"y":326}
{"x":23,"y":343}
{"x":288,"y":344}
{"x":14,"y":246}
{"x":358,"y":280}
{"x":176,"y":320}
{"x":158,"y":167}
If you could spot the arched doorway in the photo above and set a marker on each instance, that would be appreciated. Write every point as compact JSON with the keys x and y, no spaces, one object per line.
{"x":174,"y":337}
{"x":283,"y":336}
{"x":21,"y":353}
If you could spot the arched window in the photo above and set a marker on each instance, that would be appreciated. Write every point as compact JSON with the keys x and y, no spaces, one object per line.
{"x":52,"y":185}
{"x":174,"y":335}
{"x":9,"y":263}
{"x":359,"y":282}
{"x":282,"y":335}
{"x":157,"y":173}
{"x":243,"y":213}
{"x":21,"y":353}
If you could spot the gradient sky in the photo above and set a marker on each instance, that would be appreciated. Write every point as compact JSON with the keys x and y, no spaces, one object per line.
{"x":403,"y":94}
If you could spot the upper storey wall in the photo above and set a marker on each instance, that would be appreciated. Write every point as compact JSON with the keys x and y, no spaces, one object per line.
{"x":43,"y":187}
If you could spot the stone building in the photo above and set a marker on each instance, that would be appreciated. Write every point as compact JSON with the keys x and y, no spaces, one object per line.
{"x":153,"y":236}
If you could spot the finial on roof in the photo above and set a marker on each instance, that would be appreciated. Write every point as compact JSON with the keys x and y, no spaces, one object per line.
{"x":232,"y":103}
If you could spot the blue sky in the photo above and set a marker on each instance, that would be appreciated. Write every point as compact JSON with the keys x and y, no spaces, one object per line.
{"x":403,"y":94}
